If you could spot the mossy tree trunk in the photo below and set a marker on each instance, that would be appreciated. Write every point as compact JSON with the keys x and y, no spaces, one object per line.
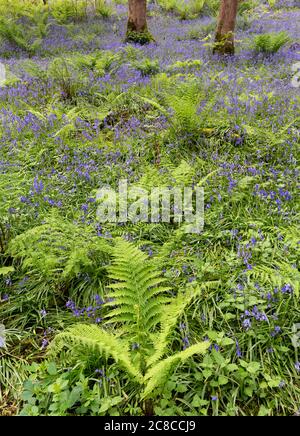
{"x":137,"y":30}
{"x":224,"y":41}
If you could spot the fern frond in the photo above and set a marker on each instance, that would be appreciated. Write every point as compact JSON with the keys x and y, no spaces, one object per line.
{"x":138,"y":293}
{"x":158,"y":374}
{"x":95,"y":339}
{"x":172,"y":314}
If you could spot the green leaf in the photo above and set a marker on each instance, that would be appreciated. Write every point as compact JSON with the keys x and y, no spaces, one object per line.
{"x":219,"y":359}
{"x":6,"y":270}
{"x":181,"y":388}
{"x":157,"y":375}
{"x":248,"y":391}
{"x":222,"y":380}
{"x":232,"y":367}
{"x":263,"y":411}
{"x":207,"y":373}
{"x":226,"y":341}
{"x":274,"y":382}
{"x":51,"y":368}
{"x":97,"y":339}
{"x":214,"y":336}
{"x":253,"y":367}
{"x":198,"y":402}
{"x":116,"y":400}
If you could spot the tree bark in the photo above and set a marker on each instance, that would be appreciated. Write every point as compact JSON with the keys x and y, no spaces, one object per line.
{"x":137,"y":18}
{"x":224,"y":40}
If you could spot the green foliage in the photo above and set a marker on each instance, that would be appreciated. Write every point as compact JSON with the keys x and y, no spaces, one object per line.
{"x":76,"y":117}
{"x":140,"y":305}
{"x":67,"y":78}
{"x":270,"y":42}
{"x":103,"y":8}
{"x":245,"y":7}
{"x":147,"y":67}
{"x":184,"y":104}
{"x":27,"y":34}
{"x":52,"y":392}
{"x":59,"y":250}
{"x":186,"y":65}
{"x":66,"y":10}
{"x":20,"y":36}
{"x":139,"y":37}
{"x":189,"y":10}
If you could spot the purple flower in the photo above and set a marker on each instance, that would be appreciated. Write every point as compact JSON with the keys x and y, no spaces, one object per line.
{"x":38,"y":185}
{"x":45,"y":343}
{"x":70,"y":305}
{"x":287,"y":289}
{"x":43,"y":313}
{"x":246,"y":324}
{"x":214,"y":397}
{"x":297,"y":366}
{"x":185,"y":342}
{"x":276,"y":331}
{"x":238,"y":350}
{"x":8,"y":281}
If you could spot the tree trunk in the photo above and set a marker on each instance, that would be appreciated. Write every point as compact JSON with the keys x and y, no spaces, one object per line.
{"x":137,"y":30}
{"x":224,"y":41}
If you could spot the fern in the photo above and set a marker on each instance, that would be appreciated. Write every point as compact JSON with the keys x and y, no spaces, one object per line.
{"x":27,"y":36}
{"x":58,"y":249}
{"x":92,"y":338}
{"x":159,"y":373}
{"x":138,"y":296}
{"x":141,"y":312}
{"x":270,"y":42}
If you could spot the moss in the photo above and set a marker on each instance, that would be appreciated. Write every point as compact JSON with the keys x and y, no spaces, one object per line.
{"x":224,"y":44}
{"x":139,"y":37}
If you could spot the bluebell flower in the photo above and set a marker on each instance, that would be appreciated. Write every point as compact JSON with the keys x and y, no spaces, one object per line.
{"x":246,"y":324}
{"x":45,"y":343}
{"x":297,"y":366}
{"x":237,"y":348}
{"x":276,"y":331}
{"x":287,"y":289}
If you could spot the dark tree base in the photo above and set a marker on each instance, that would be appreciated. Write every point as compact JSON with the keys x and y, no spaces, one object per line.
{"x":224,"y":45}
{"x":139,"y":37}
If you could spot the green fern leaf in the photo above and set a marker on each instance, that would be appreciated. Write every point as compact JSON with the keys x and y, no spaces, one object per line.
{"x":95,"y":339}
{"x":158,"y":375}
